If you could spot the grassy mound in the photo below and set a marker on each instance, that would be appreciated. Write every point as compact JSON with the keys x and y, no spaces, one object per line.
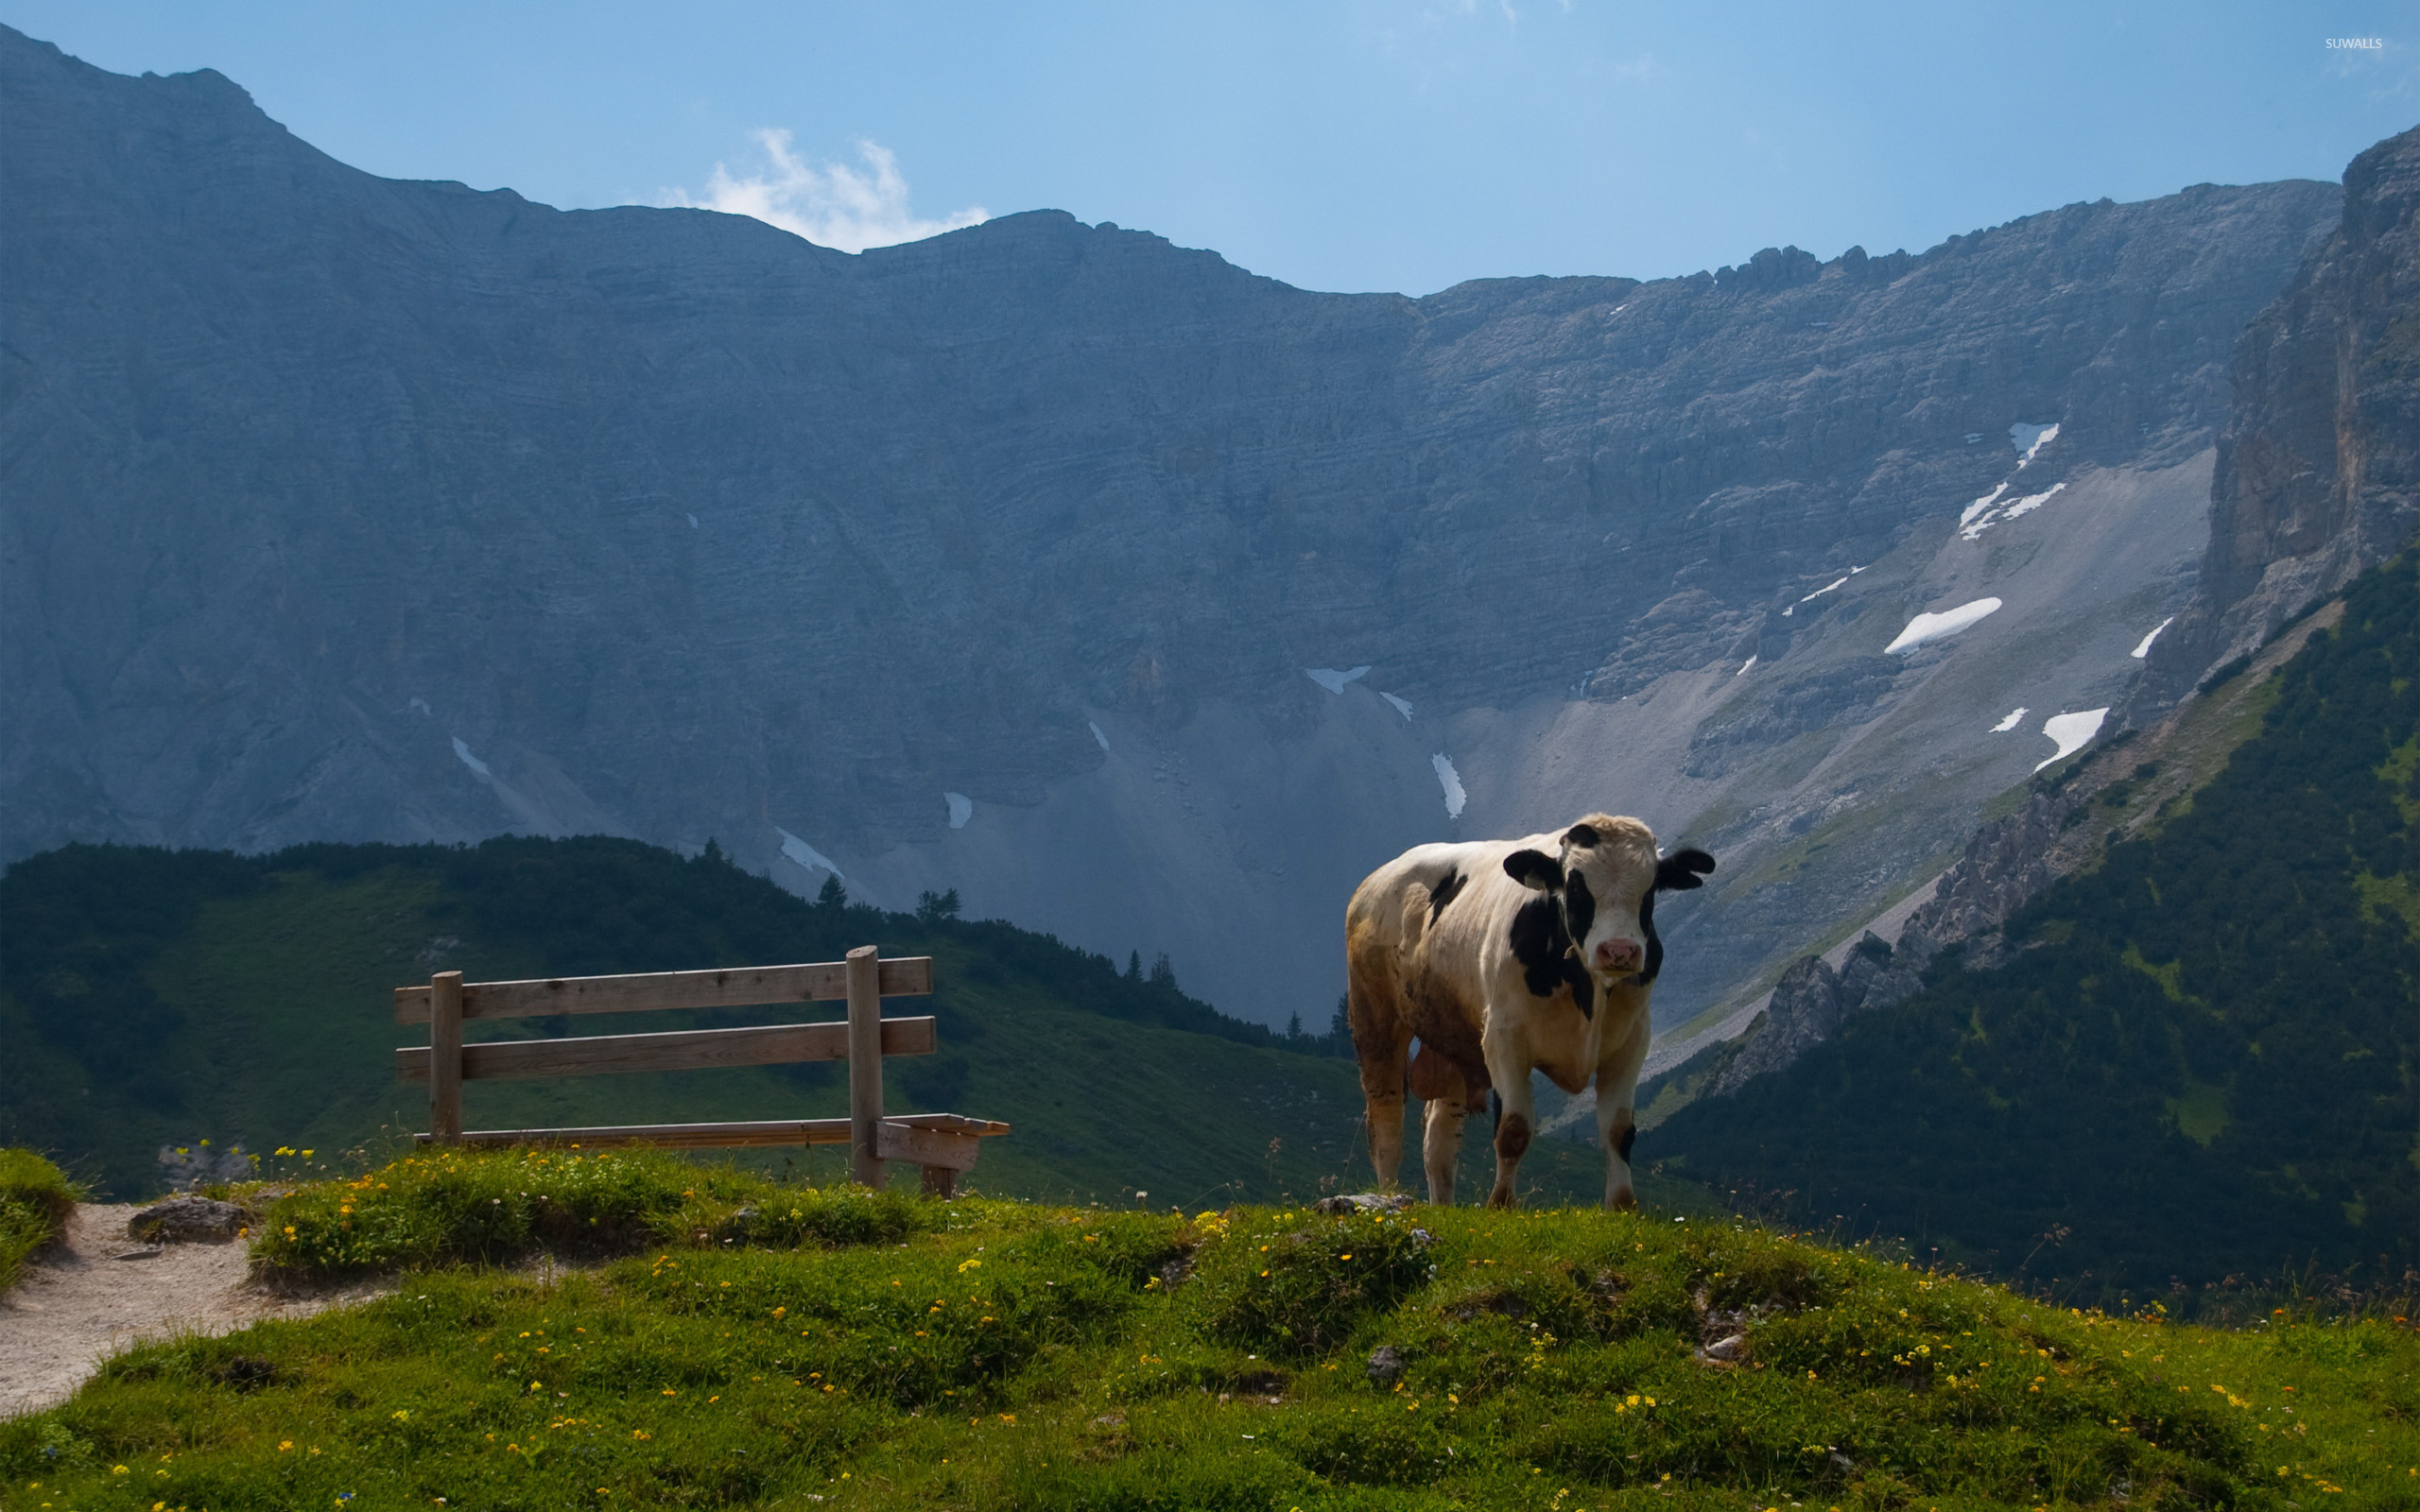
{"x":456,"y":1206}
{"x":35,"y":1199}
{"x":793,"y":1346}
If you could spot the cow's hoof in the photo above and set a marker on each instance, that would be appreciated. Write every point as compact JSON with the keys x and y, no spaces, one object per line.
{"x":1623,"y":1201}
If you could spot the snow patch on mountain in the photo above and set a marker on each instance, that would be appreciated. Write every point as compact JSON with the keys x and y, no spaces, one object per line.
{"x":2072,"y":732}
{"x":1926,"y":627}
{"x":806,"y":854}
{"x":1451,"y":781}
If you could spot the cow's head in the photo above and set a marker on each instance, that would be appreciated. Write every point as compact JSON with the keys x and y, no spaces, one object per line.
{"x":1596,"y":925}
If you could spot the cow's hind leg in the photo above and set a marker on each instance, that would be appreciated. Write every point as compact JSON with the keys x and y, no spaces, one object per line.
{"x":1440,"y":1085}
{"x":1382,"y":1043}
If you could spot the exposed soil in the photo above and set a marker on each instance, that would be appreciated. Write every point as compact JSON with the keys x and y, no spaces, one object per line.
{"x":79,"y":1303}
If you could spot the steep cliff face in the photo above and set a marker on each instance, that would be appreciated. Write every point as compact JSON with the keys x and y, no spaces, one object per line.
{"x":2319,"y":466}
{"x":335,"y":507}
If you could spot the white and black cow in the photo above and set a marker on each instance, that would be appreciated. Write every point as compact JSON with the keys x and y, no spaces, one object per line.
{"x":1500,"y":956}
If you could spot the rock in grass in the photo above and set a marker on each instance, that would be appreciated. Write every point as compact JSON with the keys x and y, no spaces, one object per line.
{"x":1730,"y":1349}
{"x":187,"y":1220}
{"x":1386,"y":1365}
{"x":1363,"y":1202}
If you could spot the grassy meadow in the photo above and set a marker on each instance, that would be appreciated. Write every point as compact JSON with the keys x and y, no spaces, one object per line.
{"x":593,"y":1331}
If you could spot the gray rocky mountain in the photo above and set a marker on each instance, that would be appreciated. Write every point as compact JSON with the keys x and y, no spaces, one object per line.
{"x":1137,"y":597}
{"x":2317,"y":479}
{"x":2319,"y":466}
{"x":1808,"y":1005}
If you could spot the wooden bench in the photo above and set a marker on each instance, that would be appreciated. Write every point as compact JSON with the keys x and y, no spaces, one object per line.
{"x":942,"y":1144}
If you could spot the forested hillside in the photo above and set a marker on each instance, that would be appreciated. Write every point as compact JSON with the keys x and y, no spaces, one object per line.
{"x":2197,"y":1060}
{"x":155,"y":998}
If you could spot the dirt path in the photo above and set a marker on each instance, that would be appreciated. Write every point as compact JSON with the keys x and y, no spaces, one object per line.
{"x":78,"y":1304}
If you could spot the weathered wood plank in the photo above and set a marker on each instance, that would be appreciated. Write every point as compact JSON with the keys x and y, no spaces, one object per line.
{"x":733,"y":987}
{"x":761,"y":1132}
{"x":865,"y":1067}
{"x":445,"y":1056}
{"x":684,"y":1050}
{"x":926,"y":1146}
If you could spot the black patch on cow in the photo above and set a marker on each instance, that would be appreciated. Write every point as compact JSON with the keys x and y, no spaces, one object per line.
{"x":1654,"y":942}
{"x":1579,"y":915}
{"x":1540,"y":943}
{"x":1622,"y":1146}
{"x":1583,"y":986}
{"x":1543,"y":946}
{"x":1534,"y":869}
{"x":1580,"y":835}
{"x":1442,"y":894}
{"x":1578,"y":906}
{"x":1679,"y":871}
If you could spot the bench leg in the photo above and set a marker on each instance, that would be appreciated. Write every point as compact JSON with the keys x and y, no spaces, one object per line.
{"x":939,"y":1181}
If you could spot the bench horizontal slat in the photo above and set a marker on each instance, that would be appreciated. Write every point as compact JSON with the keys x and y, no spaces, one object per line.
{"x":740,"y":1136}
{"x":684,"y":1050}
{"x":818,"y":982}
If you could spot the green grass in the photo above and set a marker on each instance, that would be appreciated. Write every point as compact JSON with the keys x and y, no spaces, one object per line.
{"x":35,"y":1199}
{"x":881,"y":1351}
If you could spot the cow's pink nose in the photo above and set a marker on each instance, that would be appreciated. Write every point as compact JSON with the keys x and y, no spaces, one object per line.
{"x":1618,"y":955}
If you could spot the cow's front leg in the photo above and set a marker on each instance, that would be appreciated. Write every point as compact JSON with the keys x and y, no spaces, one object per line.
{"x":1616,"y":1112}
{"x":1508,"y":1067}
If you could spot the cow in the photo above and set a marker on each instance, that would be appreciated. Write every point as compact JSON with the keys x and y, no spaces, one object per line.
{"x":1500,"y":956}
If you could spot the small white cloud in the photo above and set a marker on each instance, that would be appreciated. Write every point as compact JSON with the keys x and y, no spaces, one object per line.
{"x":834,"y":205}
{"x":2014,"y":716}
{"x":1948,"y":622}
{"x":2143,"y":647}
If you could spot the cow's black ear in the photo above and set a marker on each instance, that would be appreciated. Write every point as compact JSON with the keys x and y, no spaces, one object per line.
{"x":1581,"y":837}
{"x":1534,"y":869}
{"x":1679,"y":871}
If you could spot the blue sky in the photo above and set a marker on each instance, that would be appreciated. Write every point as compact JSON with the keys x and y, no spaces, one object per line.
{"x":1355,"y":144}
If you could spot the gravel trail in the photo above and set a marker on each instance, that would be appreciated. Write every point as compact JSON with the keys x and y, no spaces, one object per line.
{"x":77,"y":1304}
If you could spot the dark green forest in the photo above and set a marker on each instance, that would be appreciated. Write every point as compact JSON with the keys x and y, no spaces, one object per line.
{"x":2196,"y":1062}
{"x":150,"y":997}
